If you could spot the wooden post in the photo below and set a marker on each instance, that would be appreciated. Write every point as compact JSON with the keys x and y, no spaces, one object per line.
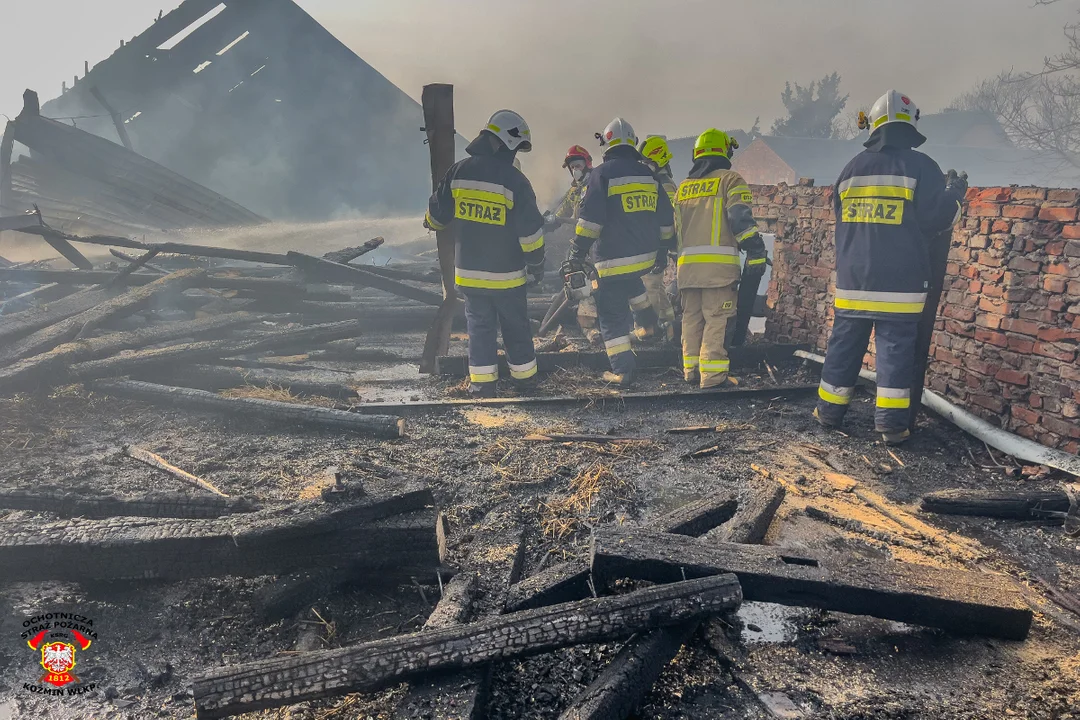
{"x":438,"y":103}
{"x":118,"y":122}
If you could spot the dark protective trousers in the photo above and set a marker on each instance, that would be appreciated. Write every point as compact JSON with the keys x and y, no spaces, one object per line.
{"x":619,"y":301}
{"x":485,"y":313}
{"x":895,"y":343}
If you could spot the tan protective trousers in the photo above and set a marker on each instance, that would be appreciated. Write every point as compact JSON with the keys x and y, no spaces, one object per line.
{"x":658,"y":297}
{"x":706,"y":312}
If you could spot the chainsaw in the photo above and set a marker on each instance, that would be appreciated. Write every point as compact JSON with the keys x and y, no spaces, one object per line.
{"x":578,"y":285}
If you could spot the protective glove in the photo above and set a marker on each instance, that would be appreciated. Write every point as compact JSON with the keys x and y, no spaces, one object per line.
{"x":956,"y":184}
{"x":535,"y":273}
{"x":661,"y":262}
{"x":754,"y":247}
{"x":427,"y":225}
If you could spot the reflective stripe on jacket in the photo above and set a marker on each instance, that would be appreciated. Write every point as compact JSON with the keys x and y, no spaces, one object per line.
{"x":708,"y":246}
{"x":624,"y":216}
{"x":491,"y":209}
{"x":890,"y":204}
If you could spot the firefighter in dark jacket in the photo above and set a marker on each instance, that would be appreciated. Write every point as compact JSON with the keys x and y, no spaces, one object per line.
{"x":890,"y":203}
{"x":500,"y":247}
{"x":625,"y":219}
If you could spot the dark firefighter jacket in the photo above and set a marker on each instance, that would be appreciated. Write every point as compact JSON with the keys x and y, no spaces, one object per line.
{"x":624,"y":217}
{"x":491,"y":208}
{"x":890,"y":204}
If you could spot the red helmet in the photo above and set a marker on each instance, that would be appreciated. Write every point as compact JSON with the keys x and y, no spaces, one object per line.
{"x":577,"y":152}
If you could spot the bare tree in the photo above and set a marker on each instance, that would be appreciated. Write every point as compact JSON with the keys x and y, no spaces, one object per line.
{"x":1038,"y":110}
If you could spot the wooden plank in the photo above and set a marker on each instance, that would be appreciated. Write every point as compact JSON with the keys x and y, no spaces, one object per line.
{"x":272,"y":541}
{"x":37,"y":296}
{"x":568,"y":581}
{"x":372,"y":665}
{"x":960,"y":602}
{"x":20,"y":324}
{"x":378,"y":426}
{"x":68,"y":251}
{"x":625,"y":681}
{"x":351,"y":253}
{"x":742,"y":358}
{"x":132,"y":301}
{"x":1008,"y":504}
{"x":156,"y":461}
{"x":52,"y":367}
{"x":438,"y":103}
{"x":118,"y":122}
{"x":157,"y":504}
{"x":215,"y":378}
{"x":140,"y":360}
{"x":327,"y":271}
{"x":600,"y":400}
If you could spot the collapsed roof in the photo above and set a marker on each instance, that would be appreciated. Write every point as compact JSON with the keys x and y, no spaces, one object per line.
{"x":256,"y":100}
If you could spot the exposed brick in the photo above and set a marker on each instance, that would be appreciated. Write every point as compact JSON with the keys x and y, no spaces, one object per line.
{"x":1035,"y":401}
{"x":1063,"y":196}
{"x":989,"y":402}
{"x":989,"y":320}
{"x":1056,"y":247}
{"x":1061,"y":427}
{"x":980,"y":242}
{"x":1023,"y":212}
{"x":1057,"y":214}
{"x":992,"y":337}
{"x":1025,"y":265}
{"x":993,"y":194}
{"x":1059,"y":269}
{"x":984,"y":210}
{"x":1023,"y":414}
{"x":1058,"y":351}
{"x":1025,"y":327}
{"x":1071,"y":232}
{"x":1029,"y":193}
{"x":1021,"y":344}
{"x":994,"y":306}
{"x":1055,"y":283}
{"x":1058,"y":334}
{"x":1072,"y":249}
{"x":957,"y":312}
{"x":1012,"y":377}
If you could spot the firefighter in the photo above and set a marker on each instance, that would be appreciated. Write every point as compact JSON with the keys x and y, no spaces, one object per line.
{"x":715,"y":223}
{"x":657,"y":155}
{"x":890,"y":202}
{"x":579,"y":164}
{"x":499,"y":244}
{"x":624,"y":220}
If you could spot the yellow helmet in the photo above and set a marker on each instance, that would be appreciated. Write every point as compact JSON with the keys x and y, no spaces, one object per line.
{"x":655,"y":150}
{"x":714,"y":143}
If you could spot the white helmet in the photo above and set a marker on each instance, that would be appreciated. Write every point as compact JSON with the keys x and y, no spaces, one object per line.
{"x":619,"y":132}
{"x":893,"y":107}
{"x":512,"y":129}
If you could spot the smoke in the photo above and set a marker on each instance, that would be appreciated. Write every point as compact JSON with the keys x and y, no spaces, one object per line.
{"x":677,"y":68}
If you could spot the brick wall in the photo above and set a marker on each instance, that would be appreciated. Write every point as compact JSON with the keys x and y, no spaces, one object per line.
{"x":1008,"y":332}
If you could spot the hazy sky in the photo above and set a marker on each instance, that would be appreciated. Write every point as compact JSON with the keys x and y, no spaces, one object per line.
{"x":569,"y":66}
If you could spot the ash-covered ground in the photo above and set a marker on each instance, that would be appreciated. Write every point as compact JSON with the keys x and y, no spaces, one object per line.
{"x":155,"y":637}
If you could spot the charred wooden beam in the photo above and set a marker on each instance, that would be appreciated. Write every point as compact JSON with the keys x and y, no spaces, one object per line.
{"x":1011,"y":505}
{"x":351,"y":253}
{"x":438,"y":103}
{"x":140,"y":360}
{"x":160,"y":504}
{"x":398,"y":274}
{"x":564,"y":582}
{"x":270,"y":287}
{"x":118,"y":122}
{"x":215,"y":378}
{"x":372,"y":665}
{"x":461,"y":695}
{"x":40,"y":294}
{"x":623,"y":684}
{"x":379,"y":426}
{"x":7,"y":146}
{"x":52,"y":367}
{"x":351,"y":274}
{"x":960,"y":602}
{"x":132,"y":301}
{"x":600,"y":399}
{"x":745,"y":357}
{"x":20,"y":324}
{"x":245,"y":545}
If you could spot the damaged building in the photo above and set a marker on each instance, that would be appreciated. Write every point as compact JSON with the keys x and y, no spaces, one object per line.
{"x":257,"y":101}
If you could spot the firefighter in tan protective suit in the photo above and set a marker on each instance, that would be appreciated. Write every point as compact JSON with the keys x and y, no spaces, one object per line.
{"x":715,"y":223}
